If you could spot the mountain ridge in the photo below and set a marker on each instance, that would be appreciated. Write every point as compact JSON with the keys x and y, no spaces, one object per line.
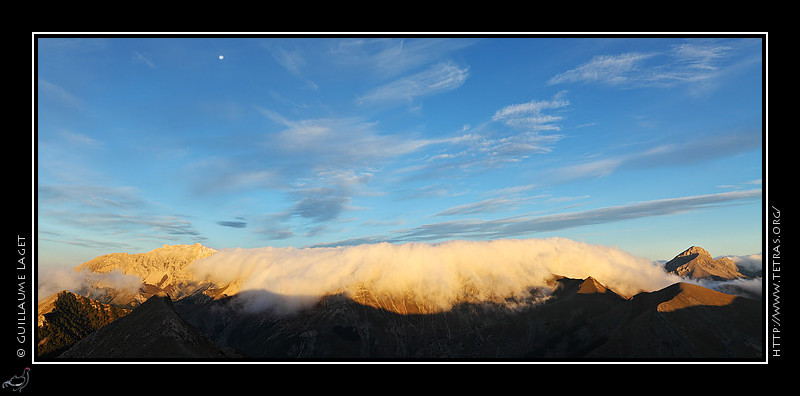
{"x":153,"y":330}
{"x":687,"y":321}
{"x":573,"y":318}
{"x":600,"y":324}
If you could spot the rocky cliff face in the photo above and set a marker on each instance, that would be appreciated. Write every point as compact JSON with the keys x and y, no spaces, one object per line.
{"x":697,"y":263}
{"x":163,"y":269}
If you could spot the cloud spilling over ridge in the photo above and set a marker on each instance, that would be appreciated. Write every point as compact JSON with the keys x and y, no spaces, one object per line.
{"x":752,"y":262}
{"x":437,"y":274}
{"x":750,"y":288}
{"x":747,"y":287}
{"x":54,"y":280}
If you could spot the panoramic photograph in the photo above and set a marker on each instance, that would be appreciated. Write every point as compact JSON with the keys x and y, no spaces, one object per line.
{"x":399,"y":198}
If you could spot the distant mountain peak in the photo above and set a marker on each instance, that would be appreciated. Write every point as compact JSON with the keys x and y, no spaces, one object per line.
{"x":696,"y":262}
{"x":165,"y":268}
{"x":167,"y":257}
{"x":591,"y":285}
{"x":565,"y":286}
{"x":694,"y":250}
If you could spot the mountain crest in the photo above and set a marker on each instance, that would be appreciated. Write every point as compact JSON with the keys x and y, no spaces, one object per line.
{"x":696,"y":262}
{"x":694,"y":250}
{"x":152,"y":330}
{"x":165,"y":268}
{"x":684,"y":295}
{"x":591,"y":285}
{"x":153,"y":265}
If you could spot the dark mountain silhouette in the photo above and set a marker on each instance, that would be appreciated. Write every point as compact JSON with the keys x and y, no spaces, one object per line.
{"x":151,"y":331}
{"x":686,"y":321}
{"x":65,"y":318}
{"x":582,"y":319}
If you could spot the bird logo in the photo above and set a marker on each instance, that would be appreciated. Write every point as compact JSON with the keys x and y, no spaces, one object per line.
{"x":18,"y":381}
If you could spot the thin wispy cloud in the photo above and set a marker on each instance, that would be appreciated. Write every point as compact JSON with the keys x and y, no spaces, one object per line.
{"x":747,"y":184}
{"x":336,"y":142}
{"x":605,"y":69}
{"x":134,"y":225}
{"x":439,"y":78}
{"x":103,"y":244}
{"x":89,"y":196}
{"x":271,"y":227}
{"x":699,"y":57}
{"x":328,"y":193}
{"x":673,"y":154}
{"x":513,"y":190}
{"x":291,"y":60}
{"x":101,"y":210}
{"x":521,"y":225}
{"x":512,"y":134}
{"x":295,"y":62}
{"x":78,"y":138}
{"x":232,"y":224}
{"x":390,"y":57}
{"x":316,"y":165}
{"x":592,"y":169}
{"x":321,"y":204}
{"x":216,"y":175}
{"x":524,"y":226}
{"x":486,"y":206}
{"x":143,"y":59}
{"x":56,"y":92}
{"x":682,"y":63}
{"x":531,"y":115}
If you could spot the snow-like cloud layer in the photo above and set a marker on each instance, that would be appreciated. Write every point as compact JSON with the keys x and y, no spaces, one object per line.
{"x":436,"y":275}
{"x":53,"y":280}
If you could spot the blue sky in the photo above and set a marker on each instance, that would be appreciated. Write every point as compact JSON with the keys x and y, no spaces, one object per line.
{"x":647,"y":144}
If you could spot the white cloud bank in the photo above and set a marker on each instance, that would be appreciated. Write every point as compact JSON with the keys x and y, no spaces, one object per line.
{"x":436,"y":275}
{"x":53,"y":280}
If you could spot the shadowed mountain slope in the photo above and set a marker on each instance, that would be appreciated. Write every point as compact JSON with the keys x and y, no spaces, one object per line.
{"x":151,"y":331}
{"x":581,"y":319}
{"x":65,"y":318}
{"x":686,"y":321}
